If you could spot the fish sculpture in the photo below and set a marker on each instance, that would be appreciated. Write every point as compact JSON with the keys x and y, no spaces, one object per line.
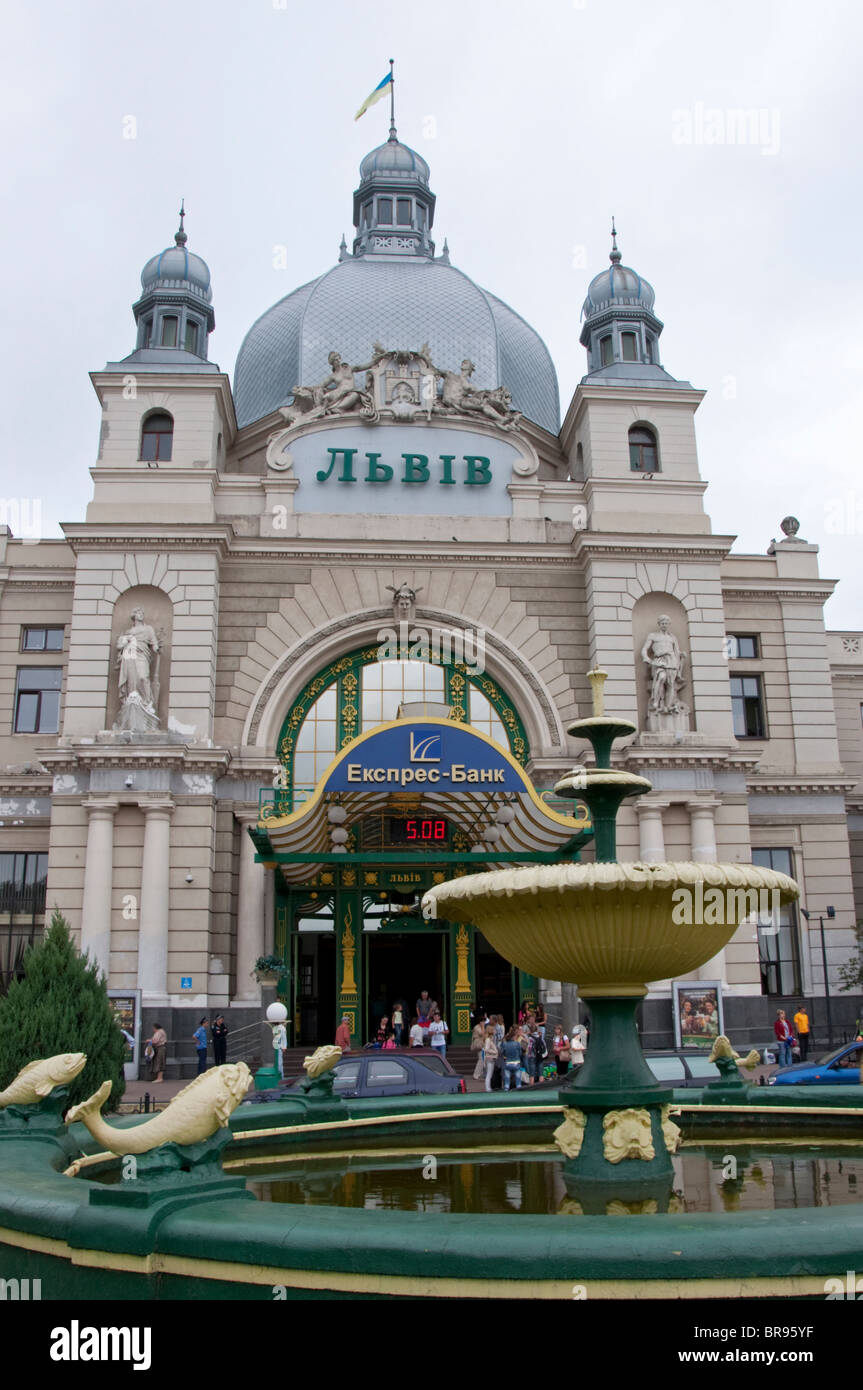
{"x":321,"y":1061}
{"x":722,"y":1051}
{"x":195,"y":1113}
{"x":38,"y":1079}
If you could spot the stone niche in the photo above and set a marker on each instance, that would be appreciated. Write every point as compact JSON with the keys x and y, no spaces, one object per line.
{"x":645,"y":620}
{"x":159,"y":613}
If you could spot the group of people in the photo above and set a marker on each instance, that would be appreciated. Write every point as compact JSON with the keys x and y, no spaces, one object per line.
{"x":786,"y":1040}
{"x":428,"y":1028}
{"x":156,"y":1047}
{"x":507,"y":1057}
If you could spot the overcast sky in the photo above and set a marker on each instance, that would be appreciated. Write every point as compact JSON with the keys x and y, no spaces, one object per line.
{"x":539,"y":121}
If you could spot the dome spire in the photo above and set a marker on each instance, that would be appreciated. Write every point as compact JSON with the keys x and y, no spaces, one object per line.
{"x":180,"y":236}
{"x":614,"y":255}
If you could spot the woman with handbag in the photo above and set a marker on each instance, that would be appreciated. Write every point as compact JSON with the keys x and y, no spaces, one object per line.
{"x":490,"y":1055}
{"x":476,"y":1045}
{"x":561,"y":1049}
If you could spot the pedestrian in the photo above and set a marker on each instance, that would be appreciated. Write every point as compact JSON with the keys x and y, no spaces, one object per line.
{"x":561,"y":1050}
{"x":477,"y":1043}
{"x":782,"y":1029}
{"x":489,"y":1055}
{"x":541,"y":1021}
{"x":425,"y":1007}
{"x":383,"y":1035}
{"x":439,"y":1033}
{"x":536,"y":1054}
{"x":499,"y":1035}
{"x":159,"y":1043}
{"x":576,"y":1048}
{"x":801,"y":1023}
{"x":417,"y":1033}
{"x":343,"y":1034}
{"x":398,"y":1022}
{"x":219,"y":1034}
{"x":512,"y":1060}
{"x":199,"y":1038}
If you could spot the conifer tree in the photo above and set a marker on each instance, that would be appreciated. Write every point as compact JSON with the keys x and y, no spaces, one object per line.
{"x":61,"y":1005}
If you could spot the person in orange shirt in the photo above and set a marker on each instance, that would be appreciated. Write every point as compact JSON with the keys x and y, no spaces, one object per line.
{"x":801,"y":1028}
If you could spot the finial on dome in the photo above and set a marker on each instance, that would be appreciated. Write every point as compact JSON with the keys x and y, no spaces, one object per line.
{"x":393,"y":136}
{"x":343,"y":249}
{"x":180,"y":236}
{"x":614,"y":255}
{"x":445,"y":252}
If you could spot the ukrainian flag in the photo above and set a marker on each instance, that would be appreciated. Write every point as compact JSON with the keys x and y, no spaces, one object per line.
{"x":380,"y":90}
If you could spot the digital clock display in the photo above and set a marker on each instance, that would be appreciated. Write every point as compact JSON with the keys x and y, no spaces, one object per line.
{"x":418,"y":832}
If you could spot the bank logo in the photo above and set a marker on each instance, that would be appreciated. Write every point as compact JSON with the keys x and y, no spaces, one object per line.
{"x":422,"y":749}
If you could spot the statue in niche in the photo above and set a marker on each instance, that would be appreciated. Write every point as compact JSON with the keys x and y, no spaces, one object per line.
{"x":666,"y":665}
{"x":138,"y":654}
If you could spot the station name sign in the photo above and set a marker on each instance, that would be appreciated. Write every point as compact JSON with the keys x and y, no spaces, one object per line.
{"x":401,"y":469}
{"x":442,"y":757}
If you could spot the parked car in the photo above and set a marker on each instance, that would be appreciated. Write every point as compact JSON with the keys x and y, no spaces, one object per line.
{"x":684,"y":1066}
{"x":841,"y":1067}
{"x":385,"y":1074}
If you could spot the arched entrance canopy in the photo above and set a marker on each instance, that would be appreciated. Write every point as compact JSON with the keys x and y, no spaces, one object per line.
{"x":432,"y":767}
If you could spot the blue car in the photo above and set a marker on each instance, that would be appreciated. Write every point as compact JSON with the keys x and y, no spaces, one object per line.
{"x":838,"y":1068}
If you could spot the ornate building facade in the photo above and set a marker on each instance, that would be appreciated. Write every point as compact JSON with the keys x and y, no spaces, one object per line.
{"x":384,"y":525}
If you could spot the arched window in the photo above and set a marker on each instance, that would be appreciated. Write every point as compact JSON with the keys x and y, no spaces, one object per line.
{"x":606,"y":354}
{"x":643,"y":451}
{"x":157,"y":436}
{"x":169,"y":331}
{"x":358,"y":692}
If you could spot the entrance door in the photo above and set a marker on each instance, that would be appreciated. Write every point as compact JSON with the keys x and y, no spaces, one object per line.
{"x":399,"y":965}
{"x":315,"y":988}
{"x":495,"y":986}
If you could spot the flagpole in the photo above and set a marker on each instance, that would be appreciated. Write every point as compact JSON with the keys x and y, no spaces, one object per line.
{"x":393,"y":135}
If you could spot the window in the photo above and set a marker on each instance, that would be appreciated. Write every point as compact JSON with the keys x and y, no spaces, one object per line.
{"x":190,"y":342}
{"x":157,"y":436}
{"x":385,"y":210}
{"x":747,"y":707}
{"x":345,"y":1077}
{"x":741,"y":646}
{"x":169,"y":332}
{"x":643,"y":454}
{"x":22,"y":906}
{"x":606,"y":356}
{"x":778,"y":953}
{"x":387,"y":1073}
{"x":403,"y":212}
{"x":629,"y":346}
{"x":148,"y":333}
{"x":421,"y":216}
{"x":367,"y":214}
{"x":37,"y":700}
{"x":42,"y":639}
{"x":650,"y":350}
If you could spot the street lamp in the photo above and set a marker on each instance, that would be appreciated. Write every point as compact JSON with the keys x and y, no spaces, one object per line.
{"x":831,"y":913}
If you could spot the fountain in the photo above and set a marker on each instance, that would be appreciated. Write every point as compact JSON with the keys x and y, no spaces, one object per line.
{"x":610,"y":929}
{"x":528,"y":1189}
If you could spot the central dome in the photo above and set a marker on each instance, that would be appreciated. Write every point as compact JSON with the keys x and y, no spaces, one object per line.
{"x":396,"y":292}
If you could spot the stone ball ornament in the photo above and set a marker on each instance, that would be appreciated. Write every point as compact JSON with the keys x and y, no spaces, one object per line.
{"x":276,"y":1013}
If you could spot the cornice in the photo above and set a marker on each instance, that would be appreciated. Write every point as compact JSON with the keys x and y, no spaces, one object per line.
{"x":104,"y":535}
{"x":781,"y":588}
{"x":169,"y":381}
{"x":597,"y":543}
{"x":26,"y":585}
{"x":178,"y":757}
{"x":800,"y":786}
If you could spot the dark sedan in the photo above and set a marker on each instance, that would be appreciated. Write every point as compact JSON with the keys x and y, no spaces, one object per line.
{"x":381,"y":1074}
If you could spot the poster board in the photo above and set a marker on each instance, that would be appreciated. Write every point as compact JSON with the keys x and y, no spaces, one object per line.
{"x":698,"y":1017}
{"x":126,"y":1004}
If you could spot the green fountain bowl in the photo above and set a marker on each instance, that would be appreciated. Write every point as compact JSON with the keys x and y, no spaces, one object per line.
{"x":610,"y":928}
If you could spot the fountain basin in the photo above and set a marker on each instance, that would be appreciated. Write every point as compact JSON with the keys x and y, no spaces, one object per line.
{"x":611,"y":928}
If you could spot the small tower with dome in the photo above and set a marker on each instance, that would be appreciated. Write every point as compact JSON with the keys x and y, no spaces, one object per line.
{"x":175,"y":311}
{"x":621,"y":331}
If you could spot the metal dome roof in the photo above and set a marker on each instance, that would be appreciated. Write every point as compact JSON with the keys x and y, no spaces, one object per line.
{"x":178,"y":265}
{"x":401,"y":303}
{"x":617,"y":285}
{"x":396,"y":159}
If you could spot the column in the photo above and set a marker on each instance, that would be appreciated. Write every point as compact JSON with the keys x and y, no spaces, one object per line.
{"x":98,"y":875}
{"x":155,"y":901}
{"x":349,"y":962}
{"x":703,"y":834}
{"x":250,"y":915}
{"x":650,"y":833}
